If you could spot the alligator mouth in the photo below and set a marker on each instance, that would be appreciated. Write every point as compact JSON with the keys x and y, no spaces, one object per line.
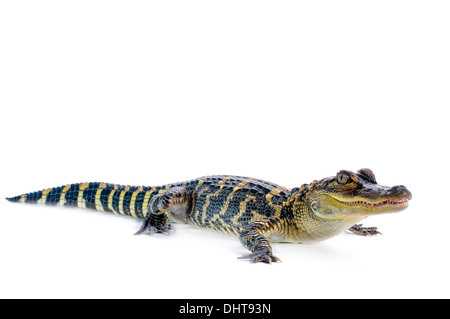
{"x":401,"y":202}
{"x":330,"y":207}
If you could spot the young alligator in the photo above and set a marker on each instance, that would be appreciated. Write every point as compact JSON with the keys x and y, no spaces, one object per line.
{"x":258,"y":212}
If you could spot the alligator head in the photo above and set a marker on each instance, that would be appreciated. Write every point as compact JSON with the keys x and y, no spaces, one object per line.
{"x":350,"y":195}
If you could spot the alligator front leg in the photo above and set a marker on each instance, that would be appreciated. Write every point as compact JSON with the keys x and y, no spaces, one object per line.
{"x":252,"y":237}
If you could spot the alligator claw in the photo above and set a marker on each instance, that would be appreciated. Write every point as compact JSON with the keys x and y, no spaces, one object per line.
{"x":364,"y":231}
{"x":155,"y":230}
{"x":261,"y":257}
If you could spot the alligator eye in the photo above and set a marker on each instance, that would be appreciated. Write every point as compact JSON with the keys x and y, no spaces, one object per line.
{"x":343,"y":178}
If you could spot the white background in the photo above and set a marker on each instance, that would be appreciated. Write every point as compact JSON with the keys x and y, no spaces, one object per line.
{"x":154,"y":92}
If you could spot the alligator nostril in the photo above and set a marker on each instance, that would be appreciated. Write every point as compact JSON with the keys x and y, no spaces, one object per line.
{"x":401,"y":190}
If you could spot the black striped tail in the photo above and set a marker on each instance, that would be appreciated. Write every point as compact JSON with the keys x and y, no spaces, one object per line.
{"x":119,"y":199}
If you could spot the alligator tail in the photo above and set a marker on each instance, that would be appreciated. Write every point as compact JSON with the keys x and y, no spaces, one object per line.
{"x":118,"y":199}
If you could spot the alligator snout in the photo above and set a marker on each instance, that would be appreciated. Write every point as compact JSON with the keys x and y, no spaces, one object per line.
{"x":401,"y":191}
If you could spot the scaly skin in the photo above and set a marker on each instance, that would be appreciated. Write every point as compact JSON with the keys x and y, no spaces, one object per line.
{"x":258,"y":212}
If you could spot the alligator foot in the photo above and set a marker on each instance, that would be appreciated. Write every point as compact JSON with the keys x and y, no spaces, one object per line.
{"x":155,"y":224}
{"x":364,"y":231}
{"x":154,"y":230}
{"x":266,"y":257}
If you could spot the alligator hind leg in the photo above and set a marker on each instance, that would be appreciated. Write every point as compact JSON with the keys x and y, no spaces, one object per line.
{"x":173,"y":200}
{"x":364,"y":231}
